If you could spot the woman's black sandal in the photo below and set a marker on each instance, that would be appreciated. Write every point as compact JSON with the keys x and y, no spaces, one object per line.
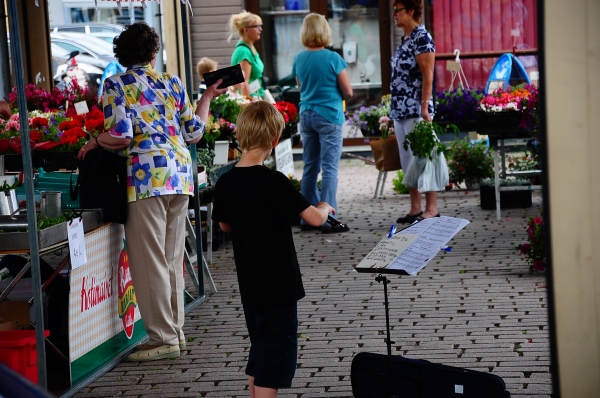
{"x":409,"y":218}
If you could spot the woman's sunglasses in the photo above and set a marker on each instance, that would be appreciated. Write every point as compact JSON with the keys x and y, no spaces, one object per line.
{"x":398,"y":9}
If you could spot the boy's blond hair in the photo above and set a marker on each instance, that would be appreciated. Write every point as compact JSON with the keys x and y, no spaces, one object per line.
{"x":258,"y":126}
{"x":206,"y":65}
{"x":315,"y":31}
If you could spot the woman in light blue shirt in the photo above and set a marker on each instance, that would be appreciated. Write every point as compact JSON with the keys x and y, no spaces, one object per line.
{"x":323,"y":81}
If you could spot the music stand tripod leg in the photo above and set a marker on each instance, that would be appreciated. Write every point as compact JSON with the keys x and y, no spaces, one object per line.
{"x":381,"y":278}
{"x":208,"y":276}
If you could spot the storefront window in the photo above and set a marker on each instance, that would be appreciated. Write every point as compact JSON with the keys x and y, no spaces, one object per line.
{"x":355,"y":30}
{"x":355,"y":34}
{"x":280,"y":40}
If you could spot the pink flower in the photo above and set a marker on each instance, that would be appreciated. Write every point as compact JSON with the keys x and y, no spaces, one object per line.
{"x":538,"y":220}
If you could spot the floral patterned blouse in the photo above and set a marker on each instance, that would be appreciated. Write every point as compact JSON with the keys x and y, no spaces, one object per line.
{"x":407,"y":82}
{"x":153,"y":110}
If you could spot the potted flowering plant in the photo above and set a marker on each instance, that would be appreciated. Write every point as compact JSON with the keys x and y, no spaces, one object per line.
{"x":368,"y":119}
{"x":469,"y":163}
{"x":458,"y":106}
{"x":385,"y":150}
{"x":534,"y":249}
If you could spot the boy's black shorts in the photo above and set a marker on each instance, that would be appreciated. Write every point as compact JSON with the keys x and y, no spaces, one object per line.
{"x":274,"y":345}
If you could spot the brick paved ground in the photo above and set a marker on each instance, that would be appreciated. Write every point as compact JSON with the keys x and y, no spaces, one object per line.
{"x":476,"y":307}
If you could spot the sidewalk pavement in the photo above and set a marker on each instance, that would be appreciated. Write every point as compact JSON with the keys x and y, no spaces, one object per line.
{"x":476,"y":306}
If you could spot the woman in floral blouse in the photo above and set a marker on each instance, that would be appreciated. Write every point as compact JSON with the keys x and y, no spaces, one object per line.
{"x":411,"y":88}
{"x":148,"y":116}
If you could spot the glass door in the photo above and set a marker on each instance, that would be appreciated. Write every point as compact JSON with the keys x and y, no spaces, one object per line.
{"x":356,"y":29}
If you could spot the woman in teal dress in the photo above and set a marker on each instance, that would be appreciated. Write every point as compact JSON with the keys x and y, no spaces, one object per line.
{"x":249,"y":28}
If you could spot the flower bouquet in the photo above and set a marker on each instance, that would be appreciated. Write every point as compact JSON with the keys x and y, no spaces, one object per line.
{"x":534,"y":249}
{"x":368,"y":120}
{"x":385,"y":150}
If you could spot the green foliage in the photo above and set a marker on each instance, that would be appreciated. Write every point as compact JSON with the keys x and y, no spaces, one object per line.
{"x":398,"y":186}
{"x":205,"y":158}
{"x":226,"y":108}
{"x":469,"y":162}
{"x":7,"y":187}
{"x":423,"y":139}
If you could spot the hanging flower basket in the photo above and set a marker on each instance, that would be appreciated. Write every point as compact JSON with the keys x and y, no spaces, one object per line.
{"x":504,"y":124}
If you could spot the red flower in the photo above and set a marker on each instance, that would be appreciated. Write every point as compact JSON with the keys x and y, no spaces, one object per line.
{"x":34,"y":135}
{"x":38,"y":122}
{"x":538,"y":220}
{"x":95,"y":114}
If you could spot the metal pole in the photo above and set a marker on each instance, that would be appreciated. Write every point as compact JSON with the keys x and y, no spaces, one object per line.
{"x":186,"y":48}
{"x":15,"y":43}
{"x":198,"y":222}
{"x":4,"y":60}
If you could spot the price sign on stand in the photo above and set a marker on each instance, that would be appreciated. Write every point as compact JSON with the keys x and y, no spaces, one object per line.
{"x":76,"y":242}
{"x":284,"y":159}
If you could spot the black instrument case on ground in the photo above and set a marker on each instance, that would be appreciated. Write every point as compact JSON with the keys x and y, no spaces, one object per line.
{"x":417,"y":378}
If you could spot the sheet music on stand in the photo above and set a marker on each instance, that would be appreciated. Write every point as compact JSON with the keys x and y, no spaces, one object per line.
{"x":411,"y":249}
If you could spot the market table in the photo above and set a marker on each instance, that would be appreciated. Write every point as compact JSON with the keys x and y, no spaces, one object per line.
{"x":490,"y":124}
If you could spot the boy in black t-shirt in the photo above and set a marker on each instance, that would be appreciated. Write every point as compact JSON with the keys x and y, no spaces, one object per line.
{"x":257,"y":206}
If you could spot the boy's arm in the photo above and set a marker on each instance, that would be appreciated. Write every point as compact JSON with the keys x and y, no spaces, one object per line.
{"x":316,"y":215}
{"x":225,"y":226}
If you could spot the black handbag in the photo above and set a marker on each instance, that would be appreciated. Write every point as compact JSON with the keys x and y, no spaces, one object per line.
{"x":102,"y":184}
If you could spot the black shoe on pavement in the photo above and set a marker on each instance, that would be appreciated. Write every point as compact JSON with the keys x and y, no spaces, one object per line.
{"x":409,"y":218}
{"x":334,"y":229}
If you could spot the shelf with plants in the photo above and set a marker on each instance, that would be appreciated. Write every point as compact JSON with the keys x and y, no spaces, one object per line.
{"x":56,"y":134}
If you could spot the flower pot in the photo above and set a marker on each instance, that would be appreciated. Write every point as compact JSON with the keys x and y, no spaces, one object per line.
{"x":508,"y":199}
{"x":221,"y":151}
{"x":472,"y":186}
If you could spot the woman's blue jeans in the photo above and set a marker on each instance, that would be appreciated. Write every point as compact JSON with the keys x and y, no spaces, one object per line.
{"x":322,"y":150}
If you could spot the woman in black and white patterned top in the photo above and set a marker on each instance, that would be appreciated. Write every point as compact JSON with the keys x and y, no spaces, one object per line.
{"x":411,"y":87}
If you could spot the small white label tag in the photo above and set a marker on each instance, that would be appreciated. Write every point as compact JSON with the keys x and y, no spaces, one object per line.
{"x":452,"y":66}
{"x":254,"y":86}
{"x":458,"y":389}
{"x":81,"y":107}
{"x":515,"y":32}
{"x":76,"y":242}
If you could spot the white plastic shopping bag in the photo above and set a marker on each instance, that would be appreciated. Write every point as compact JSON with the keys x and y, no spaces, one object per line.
{"x":427,"y":175}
